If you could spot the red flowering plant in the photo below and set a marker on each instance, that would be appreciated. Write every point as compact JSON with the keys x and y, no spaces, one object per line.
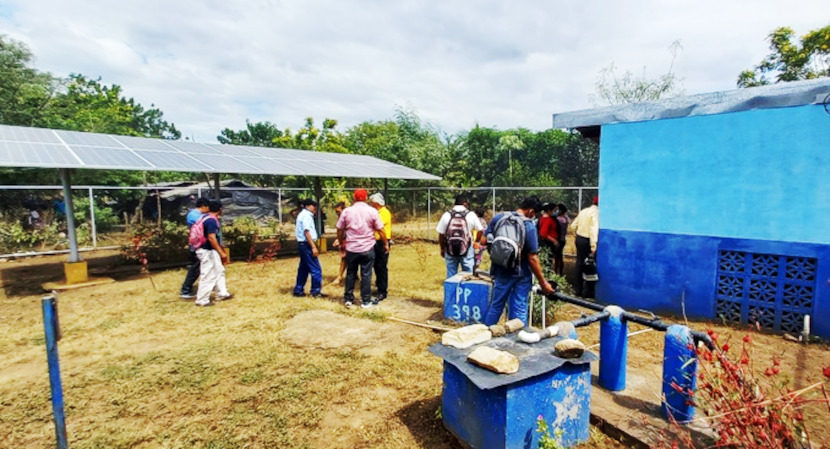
{"x":745,"y":409}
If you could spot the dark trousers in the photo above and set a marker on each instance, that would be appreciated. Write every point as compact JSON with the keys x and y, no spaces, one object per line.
{"x":309,"y":264}
{"x":381,"y":269}
{"x":583,"y":250}
{"x":365,"y":261}
{"x":192,"y":274}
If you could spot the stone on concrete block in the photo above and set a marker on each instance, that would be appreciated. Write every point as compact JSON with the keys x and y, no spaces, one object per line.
{"x":497,"y":361}
{"x":497,"y":330}
{"x":466,"y":336}
{"x":513,"y":325}
{"x":569,"y":348}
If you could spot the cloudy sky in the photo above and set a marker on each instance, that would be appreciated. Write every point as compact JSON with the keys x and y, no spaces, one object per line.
{"x":211,"y":64}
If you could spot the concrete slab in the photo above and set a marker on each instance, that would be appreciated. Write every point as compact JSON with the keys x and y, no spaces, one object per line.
{"x":61,"y":286}
{"x":633,"y":415}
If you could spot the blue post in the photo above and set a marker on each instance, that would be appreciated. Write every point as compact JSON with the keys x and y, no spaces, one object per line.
{"x":50,"y":323}
{"x":679,"y":373}
{"x":613,"y":350}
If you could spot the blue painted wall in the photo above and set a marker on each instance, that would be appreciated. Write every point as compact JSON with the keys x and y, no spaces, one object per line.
{"x":677,"y":191}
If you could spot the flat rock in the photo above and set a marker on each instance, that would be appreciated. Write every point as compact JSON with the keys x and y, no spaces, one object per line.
{"x":466,"y":336}
{"x":513,"y":325}
{"x":569,"y":348}
{"x":497,"y":361}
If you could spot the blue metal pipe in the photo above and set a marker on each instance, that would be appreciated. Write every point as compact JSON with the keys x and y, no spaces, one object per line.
{"x":679,"y":374}
{"x":613,"y":349}
{"x":50,"y":324}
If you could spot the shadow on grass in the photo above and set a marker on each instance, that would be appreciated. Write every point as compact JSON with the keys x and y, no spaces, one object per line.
{"x":424,"y":423}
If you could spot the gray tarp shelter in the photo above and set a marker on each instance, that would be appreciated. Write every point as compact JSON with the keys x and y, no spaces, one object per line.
{"x":65,"y":150}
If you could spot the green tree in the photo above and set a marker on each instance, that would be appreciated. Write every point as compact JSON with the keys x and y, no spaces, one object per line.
{"x":88,"y":105}
{"x":259,"y":134}
{"x":25,"y":93}
{"x":789,"y":60}
{"x":627,"y":88}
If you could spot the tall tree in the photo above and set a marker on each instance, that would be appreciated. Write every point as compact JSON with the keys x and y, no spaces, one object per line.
{"x":25,"y":93}
{"x":627,"y":88}
{"x":88,"y":105}
{"x":789,"y":60}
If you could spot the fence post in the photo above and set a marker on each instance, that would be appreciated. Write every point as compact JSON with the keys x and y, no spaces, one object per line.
{"x":279,"y":205}
{"x":579,"y":206}
{"x":679,"y":373}
{"x":429,"y":208}
{"x":92,"y":219}
{"x":52,"y":328}
{"x":613,"y":350}
{"x":494,"y":201}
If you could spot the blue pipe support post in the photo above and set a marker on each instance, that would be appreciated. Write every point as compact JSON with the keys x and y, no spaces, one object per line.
{"x":50,"y":323}
{"x":613,"y":349}
{"x":679,"y":373}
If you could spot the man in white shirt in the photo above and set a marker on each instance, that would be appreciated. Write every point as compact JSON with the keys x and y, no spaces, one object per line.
{"x":455,"y":230}
{"x":306,"y":234}
{"x":586,"y":225}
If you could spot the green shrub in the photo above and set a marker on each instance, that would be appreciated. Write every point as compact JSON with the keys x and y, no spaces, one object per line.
{"x":169,"y":242}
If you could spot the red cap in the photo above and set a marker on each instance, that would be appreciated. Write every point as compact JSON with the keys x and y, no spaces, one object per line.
{"x":596,"y":200}
{"x":361,"y":195}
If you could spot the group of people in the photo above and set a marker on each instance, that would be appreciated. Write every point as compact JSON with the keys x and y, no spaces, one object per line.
{"x":364,"y":233}
{"x":514,"y":240}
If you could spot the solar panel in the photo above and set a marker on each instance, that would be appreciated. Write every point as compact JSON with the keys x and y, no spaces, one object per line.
{"x":38,"y":147}
{"x":95,"y":157}
{"x":89,"y":139}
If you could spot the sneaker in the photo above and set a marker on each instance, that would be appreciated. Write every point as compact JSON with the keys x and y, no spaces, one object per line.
{"x":298,"y":295}
{"x":319,"y":295}
{"x":378,"y":298}
{"x":349,"y":304}
{"x":368,"y":304}
{"x":224,"y":297}
{"x":187,"y":295}
{"x":204,"y":305}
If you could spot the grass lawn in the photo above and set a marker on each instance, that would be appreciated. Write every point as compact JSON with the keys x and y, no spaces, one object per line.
{"x":142,"y":368}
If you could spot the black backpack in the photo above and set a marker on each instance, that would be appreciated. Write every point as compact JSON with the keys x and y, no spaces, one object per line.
{"x":458,"y":234}
{"x":507,"y":240}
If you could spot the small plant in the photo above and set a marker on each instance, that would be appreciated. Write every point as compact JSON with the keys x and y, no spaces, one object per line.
{"x":245,"y":233}
{"x":546,"y":440}
{"x":746,"y":409}
{"x":154,"y":244}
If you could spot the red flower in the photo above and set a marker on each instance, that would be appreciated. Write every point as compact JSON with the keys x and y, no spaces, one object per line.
{"x":747,"y":339}
{"x":826,"y":371}
{"x":725,"y":347}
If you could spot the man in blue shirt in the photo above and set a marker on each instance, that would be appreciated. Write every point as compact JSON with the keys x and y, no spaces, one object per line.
{"x":212,"y":258}
{"x":306,"y":234}
{"x":512,"y":287}
{"x":193,"y":216}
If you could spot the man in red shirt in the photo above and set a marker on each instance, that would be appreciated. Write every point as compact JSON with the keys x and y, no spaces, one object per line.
{"x":549,"y":231}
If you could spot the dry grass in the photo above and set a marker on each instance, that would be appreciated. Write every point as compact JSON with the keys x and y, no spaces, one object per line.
{"x":142,"y":368}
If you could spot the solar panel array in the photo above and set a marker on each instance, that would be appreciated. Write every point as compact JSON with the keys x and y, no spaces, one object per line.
{"x":46,"y":148}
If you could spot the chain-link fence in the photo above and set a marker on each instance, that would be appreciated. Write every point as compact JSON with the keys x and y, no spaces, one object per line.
{"x":33,"y":218}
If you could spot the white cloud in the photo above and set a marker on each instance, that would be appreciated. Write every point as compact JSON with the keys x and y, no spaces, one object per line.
{"x":212,"y":64}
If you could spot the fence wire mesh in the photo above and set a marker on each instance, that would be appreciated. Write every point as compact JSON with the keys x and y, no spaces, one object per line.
{"x":33,"y":218}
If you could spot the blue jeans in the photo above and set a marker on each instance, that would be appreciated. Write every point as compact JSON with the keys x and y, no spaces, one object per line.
{"x":467,"y":262}
{"x":309,"y":264}
{"x":512,"y":290}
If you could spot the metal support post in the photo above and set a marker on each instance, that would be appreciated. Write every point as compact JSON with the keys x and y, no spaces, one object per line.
{"x":279,"y":205}
{"x":52,"y":328}
{"x":92,"y":219}
{"x":679,"y":373}
{"x":69,"y":208}
{"x":579,"y":207}
{"x":613,"y":349}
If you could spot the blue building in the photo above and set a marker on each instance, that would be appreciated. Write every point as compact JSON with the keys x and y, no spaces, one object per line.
{"x":718,"y":204}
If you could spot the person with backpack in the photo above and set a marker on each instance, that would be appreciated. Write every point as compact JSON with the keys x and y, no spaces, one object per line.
{"x":455,"y":236}
{"x":193,"y":215}
{"x":513,"y":244}
{"x":206,"y":237}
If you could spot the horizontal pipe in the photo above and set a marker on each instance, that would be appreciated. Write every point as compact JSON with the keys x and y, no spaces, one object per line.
{"x":586,"y":320}
{"x":654,"y":323}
